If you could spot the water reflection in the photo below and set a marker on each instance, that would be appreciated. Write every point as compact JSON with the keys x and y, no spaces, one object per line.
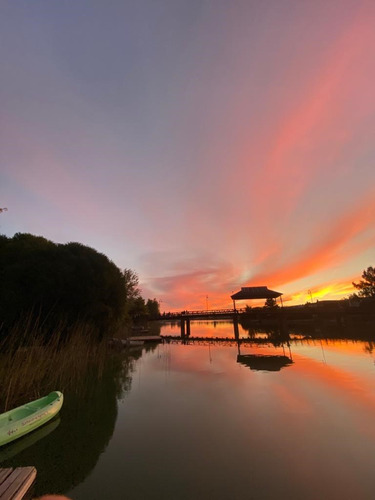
{"x":177,"y":420}
{"x":278,"y":335}
{"x":13,"y":449}
{"x":277,"y":332}
{"x":264,"y":362}
{"x":67,"y":450}
{"x":196,"y":417}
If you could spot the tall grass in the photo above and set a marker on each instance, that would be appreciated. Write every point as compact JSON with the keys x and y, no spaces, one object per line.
{"x":31,"y":366}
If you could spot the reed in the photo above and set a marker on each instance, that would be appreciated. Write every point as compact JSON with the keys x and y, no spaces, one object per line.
{"x":31,"y":366}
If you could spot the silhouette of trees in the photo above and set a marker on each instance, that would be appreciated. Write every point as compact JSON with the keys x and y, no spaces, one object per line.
{"x":58,"y":283}
{"x":136,"y":307}
{"x":366,"y":286}
{"x":153,"y":310}
{"x":271,"y":303}
{"x":132,"y":289}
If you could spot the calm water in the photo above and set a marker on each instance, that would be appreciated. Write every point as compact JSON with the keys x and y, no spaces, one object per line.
{"x":192,"y":422}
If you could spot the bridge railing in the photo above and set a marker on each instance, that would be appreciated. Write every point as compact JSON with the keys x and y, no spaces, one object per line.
{"x":209,"y":312}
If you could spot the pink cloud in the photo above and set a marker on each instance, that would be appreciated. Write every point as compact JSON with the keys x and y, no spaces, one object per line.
{"x":337,"y":246}
{"x":188,"y":290}
{"x":283,"y":178}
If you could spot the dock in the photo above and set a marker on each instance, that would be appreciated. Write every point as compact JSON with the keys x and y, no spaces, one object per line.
{"x":145,"y":338}
{"x":138,"y":340}
{"x":16,"y":484}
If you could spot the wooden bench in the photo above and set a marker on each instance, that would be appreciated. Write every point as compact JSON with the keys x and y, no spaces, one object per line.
{"x":16,"y":484}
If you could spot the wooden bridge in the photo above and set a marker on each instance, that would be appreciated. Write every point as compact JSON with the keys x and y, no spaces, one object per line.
{"x":186,"y":317}
{"x":205,"y":314}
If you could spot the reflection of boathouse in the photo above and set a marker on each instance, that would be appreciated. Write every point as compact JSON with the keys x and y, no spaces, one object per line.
{"x":255,"y":292}
{"x":272,"y":363}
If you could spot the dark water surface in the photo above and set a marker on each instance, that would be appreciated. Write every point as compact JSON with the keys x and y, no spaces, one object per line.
{"x":199,"y":421}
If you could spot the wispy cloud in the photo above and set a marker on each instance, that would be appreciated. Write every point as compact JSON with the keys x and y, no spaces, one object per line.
{"x":224,"y":146}
{"x":337,"y":245}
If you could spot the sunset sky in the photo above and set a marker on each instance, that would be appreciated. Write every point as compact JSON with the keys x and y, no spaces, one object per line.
{"x":205,"y":144}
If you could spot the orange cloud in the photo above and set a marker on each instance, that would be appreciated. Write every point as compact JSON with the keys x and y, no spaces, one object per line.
{"x":188,"y":290}
{"x":336,"y":247}
{"x":250,"y":213}
{"x":329,"y":291}
{"x":185,"y":283}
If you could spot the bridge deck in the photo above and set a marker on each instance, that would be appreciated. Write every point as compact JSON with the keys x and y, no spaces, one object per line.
{"x":205,"y":314}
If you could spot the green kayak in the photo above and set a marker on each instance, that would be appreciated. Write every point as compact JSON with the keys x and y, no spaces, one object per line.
{"x":24,"y":419}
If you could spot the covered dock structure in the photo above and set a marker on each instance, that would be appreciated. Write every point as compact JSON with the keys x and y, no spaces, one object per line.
{"x":255,"y":292}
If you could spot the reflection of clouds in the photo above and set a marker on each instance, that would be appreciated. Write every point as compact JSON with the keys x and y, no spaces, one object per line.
{"x":354,"y":389}
{"x":87,"y":421}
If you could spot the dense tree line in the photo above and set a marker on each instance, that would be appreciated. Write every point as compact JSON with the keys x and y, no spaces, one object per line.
{"x":64,"y":284}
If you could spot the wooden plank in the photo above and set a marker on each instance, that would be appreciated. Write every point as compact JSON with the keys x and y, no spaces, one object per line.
{"x":7,"y":483}
{"x":18,"y":483}
{"x":24,"y":486}
{"x":4,"y":473}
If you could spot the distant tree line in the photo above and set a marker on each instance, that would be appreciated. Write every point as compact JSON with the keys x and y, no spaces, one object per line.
{"x":136,"y":307}
{"x":57,"y":284}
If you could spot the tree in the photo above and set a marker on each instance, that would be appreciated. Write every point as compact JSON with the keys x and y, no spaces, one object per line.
{"x":56,"y":283}
{"x":366,"y":286}
{"x":152,"y":307}
{"x":271,"y":303}
{"x":137,"y":309}
{"x":131,"y":284}
{"x":134,"y":303}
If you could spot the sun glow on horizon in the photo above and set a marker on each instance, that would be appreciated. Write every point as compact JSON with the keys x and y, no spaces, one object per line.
{"x":187,"y":148}
{"x":333,"y":291}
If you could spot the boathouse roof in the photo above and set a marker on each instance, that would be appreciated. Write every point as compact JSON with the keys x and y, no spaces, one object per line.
{"x":255,"y":292}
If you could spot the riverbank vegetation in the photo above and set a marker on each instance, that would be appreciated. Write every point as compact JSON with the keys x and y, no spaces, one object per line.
{"x":33,"y":368}
{"x":66,"y":284}
{"x":59,"y":305}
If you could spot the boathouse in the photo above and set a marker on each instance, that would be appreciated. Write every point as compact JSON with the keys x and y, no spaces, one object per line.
{"x":255,"y":292}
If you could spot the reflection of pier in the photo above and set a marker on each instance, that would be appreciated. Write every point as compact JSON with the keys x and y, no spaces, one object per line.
{"x":224,"y":340}
{"x":267,"y":362}
{"x":276,"y":341}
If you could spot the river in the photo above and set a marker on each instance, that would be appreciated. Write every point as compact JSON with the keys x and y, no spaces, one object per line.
{"x":223,"y":420}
